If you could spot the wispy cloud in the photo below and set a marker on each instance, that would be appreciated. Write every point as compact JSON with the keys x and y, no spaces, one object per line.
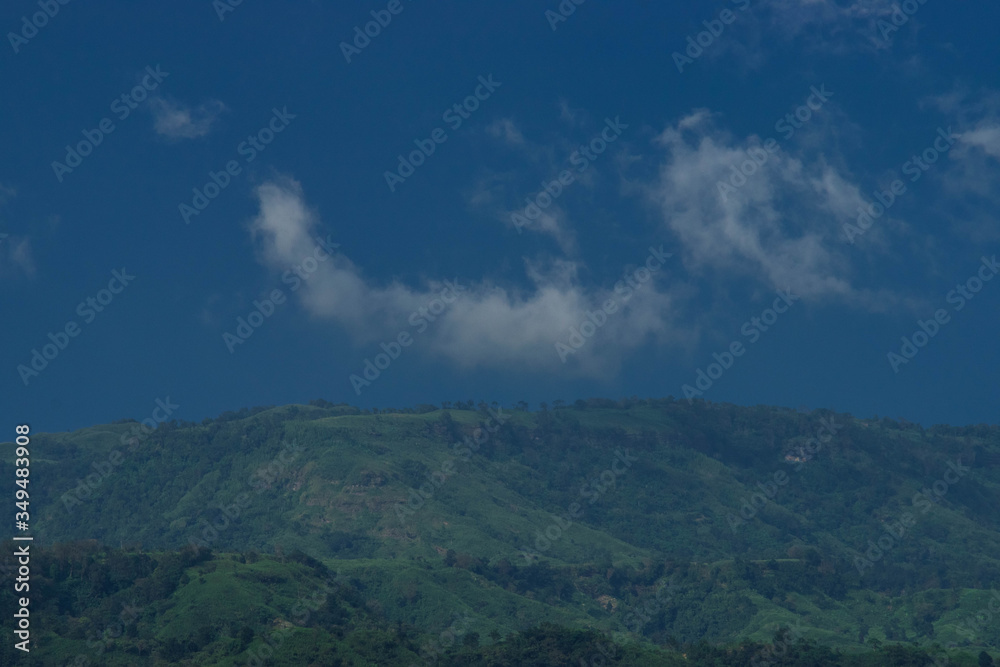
{"x":986,"y":137}
{"x":15,"y":250}
{"x":490,"y":326}
{"x":175,"y":120}
{"x":779,"y":229}
{"x":19,"y":254}
{"x":970,"y":175}
{"x":543,"y":204}
{"x":7,"y":192}
{"x":832,"y":25}
{"x":507,"y":130}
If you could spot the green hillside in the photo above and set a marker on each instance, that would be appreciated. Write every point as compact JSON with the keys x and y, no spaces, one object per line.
{"x":655,"y":524}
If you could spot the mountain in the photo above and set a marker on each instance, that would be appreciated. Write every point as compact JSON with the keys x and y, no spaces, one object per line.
{"x":669,"y":527}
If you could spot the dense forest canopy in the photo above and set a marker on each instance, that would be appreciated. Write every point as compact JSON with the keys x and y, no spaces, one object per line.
{"x":638,"y":530}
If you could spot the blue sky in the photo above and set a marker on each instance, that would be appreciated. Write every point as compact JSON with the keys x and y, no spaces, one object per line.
{"x":505,"y":202}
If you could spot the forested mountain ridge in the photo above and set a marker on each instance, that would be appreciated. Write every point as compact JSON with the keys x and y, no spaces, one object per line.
{"x":658,"y":521}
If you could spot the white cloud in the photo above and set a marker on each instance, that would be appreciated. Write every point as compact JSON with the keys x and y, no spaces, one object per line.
{"x":985,"y":137}
{"x":829,"y":11}
{"x":781,"y":228}
{"x":16,"y":251}
{"x":574,"y":117}
{"x":7,"y":193}
{"x":488,"y":326}
{"x":541,"y":205}
{"x":555,"y":223}
{"x":508,"y":131}
{"x":829,"y":25}
{"x":178,"y":121}
{"x":970,"y":175}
